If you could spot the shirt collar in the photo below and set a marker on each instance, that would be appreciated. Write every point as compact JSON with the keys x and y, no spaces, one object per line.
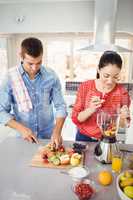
{"x":22,"y":71}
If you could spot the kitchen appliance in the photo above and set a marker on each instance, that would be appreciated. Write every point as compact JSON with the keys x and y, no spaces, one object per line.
{"x":108,"y":124}
{"x":105,"y":17}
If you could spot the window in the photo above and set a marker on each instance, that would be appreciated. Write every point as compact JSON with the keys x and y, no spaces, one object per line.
{"x":61,"y":53}
{"x":58,"y":57}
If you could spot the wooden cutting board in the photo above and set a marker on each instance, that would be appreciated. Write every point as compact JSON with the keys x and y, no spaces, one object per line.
{"x":37,"y":161}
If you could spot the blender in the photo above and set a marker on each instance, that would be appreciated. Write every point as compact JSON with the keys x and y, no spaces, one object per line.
{"x":108,"y":124}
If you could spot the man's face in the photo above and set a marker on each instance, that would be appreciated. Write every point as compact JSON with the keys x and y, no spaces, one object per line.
{"x":32,"y":65}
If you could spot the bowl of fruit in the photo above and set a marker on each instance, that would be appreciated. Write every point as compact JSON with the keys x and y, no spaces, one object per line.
{"x":124,"y":184}
{"x":84,"y":189}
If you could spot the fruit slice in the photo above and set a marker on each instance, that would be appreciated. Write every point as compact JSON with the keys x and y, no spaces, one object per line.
{"x":65,"y":159}
{"x":56,"y":161}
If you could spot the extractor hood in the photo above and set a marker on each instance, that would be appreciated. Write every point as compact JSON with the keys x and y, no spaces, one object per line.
{"x":104,"y":27}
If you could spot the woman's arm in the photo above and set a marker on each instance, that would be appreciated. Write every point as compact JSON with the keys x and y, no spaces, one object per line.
{"x":95,"y":103}
{"x":80,"y":113}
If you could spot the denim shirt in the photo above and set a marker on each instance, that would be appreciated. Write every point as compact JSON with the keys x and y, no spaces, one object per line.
{"x":46,"y":98}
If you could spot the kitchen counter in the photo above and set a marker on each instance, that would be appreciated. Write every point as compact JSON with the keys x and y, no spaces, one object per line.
{"x":20,"y":181}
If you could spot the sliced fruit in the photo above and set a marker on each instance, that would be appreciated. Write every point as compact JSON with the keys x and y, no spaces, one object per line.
{"x":65,"y":159}
{"x":61,"y":148}
{"x":51,"y":159}
{"x":56,"y":161}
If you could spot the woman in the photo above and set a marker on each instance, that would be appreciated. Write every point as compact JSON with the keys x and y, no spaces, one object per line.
{"x":101,"y":94}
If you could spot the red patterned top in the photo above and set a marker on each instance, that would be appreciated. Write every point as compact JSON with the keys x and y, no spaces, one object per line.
{"x":113,"y":100}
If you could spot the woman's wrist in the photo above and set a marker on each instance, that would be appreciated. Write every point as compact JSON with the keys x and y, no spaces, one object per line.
{"x":90,"y":111}
{"x":84,"y":115}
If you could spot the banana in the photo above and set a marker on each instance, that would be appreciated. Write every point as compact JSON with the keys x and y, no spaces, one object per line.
{"x":128,"y":174}
{"x":123,"y":178}
{"x":127,"y":182}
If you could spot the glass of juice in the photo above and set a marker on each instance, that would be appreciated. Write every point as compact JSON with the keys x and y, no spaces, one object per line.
{"x":117,"y":162}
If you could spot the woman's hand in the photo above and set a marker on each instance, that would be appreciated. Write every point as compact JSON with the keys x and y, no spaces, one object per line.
{"x":124,"y":112}
{"x":124,"y":116}
{"x":96,"y":102}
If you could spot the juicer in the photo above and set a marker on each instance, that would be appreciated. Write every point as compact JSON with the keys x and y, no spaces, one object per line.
{"x":108,"y":124}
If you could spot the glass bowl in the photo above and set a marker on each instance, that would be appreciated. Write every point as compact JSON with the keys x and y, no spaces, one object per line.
{"x":84,"y":189}
{"x":121,"y":193}
{"x":79,"y":173}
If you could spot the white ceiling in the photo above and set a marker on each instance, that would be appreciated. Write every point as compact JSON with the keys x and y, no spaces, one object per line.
{"x":35,"y":1}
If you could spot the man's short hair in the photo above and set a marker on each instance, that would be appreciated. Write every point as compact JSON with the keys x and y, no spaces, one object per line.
{"x":31,"y":46}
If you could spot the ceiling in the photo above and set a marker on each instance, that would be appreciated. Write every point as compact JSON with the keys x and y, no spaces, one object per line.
{"x":35,"y":1}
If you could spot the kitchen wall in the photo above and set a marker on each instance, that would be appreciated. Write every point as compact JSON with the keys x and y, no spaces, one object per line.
{"x":47,"y":17}
{"x":59,"y":17}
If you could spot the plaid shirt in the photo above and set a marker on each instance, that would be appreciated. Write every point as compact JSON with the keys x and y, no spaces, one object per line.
{"x":113,"y":100}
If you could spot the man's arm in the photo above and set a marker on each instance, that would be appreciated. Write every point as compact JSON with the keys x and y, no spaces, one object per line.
{"x":60,"y":113}
{"x":25,"y":132}
{"x":6,"y":118}
{"x":56,"y":138}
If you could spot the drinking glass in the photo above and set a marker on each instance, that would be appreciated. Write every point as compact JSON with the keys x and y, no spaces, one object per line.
{"x":117,"y":162}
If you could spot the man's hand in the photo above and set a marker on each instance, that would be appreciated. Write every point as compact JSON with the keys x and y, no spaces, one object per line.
{"x":25,"y":132}
{"x":56,"y":139}
{"x":28,"y":135}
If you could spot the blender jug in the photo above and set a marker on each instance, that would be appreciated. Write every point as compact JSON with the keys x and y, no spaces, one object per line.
{"x":108,"y":124}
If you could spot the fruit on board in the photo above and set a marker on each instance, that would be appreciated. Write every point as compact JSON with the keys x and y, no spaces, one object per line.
{"x":56,"y":161}
{"x":70,"y":151}
{"x":128,"y":190}
{"x":78,"y":147}
{"x":105,"y":177}
{"x":60,"y":156}
{"x":61,"y":148}
{"x":75,"y":159}
{"x":65,"y":159}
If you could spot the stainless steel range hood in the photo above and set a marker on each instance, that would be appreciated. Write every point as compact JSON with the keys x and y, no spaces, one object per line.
{"x":104,"y":27}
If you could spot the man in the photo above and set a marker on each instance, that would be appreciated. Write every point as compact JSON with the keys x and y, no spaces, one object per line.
{"x":28,"y":95}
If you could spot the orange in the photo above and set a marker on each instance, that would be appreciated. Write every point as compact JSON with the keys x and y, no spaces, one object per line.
{"x":105,"y":177}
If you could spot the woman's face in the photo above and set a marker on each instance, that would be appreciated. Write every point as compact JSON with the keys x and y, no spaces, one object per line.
{"x":109,"y":75}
